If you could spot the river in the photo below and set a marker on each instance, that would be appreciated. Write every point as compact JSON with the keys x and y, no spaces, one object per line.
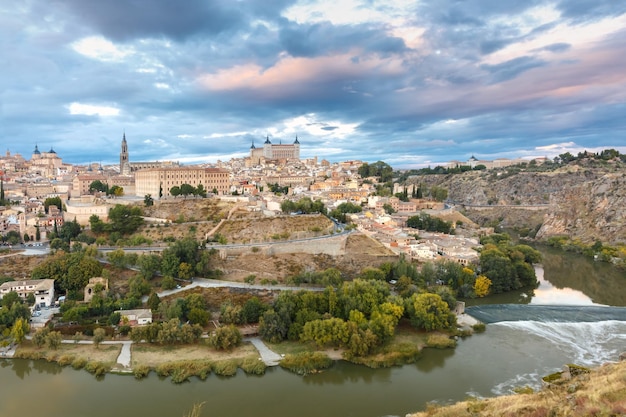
{"x":507,"y":355}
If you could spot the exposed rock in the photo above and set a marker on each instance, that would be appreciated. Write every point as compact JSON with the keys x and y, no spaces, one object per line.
{"x":585,"y":201}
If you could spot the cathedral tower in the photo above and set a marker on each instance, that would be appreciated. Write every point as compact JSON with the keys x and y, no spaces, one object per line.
{"x":124,"y":163}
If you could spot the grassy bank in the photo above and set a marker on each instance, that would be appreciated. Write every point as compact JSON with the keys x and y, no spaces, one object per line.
{"x":602,"y":392}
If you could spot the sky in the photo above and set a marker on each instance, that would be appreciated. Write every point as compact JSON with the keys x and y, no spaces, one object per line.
{"x":411,"y":83}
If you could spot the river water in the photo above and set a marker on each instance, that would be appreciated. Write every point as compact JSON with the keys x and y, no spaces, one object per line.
{"x":507,"y":355}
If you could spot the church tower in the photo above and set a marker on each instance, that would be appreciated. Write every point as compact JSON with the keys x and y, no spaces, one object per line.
{"x":124,"y":164}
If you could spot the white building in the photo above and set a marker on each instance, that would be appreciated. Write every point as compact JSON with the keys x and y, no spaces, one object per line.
{"x":138,"y":317}
{"x":42,"y":289}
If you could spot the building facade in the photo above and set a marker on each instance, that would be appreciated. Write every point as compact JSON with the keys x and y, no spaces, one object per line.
{"x":159,"y":181}
{"x":271,"y":151}
{"x":42,"y":289}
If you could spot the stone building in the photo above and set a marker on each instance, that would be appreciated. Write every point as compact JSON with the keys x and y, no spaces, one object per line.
{"x":271,"y":151}
{"x":159,"y":181}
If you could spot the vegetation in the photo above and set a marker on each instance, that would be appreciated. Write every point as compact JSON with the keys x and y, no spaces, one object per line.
{"x":303,"y":206}
{"x":424,"y":221}
{"x":507,"y":266}
{"x":306,"y":362}
{"x":597,"y":250}
{"x":599,"y":392}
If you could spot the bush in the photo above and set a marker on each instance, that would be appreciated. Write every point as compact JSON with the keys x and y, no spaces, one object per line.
{"x":306,"y":362}
{"x":440,"y":341}
{"x":79,"y":363}
{"x":225,"y":368}
{"x":253,"y":366}
{"x":97,"y":368}
{"x":141,"y":371}
{"x":479,"y":327}
{"x":66,"y":360}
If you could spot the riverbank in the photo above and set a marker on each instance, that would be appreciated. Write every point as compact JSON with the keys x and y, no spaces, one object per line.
{"x":253,"y":355}
{"x":601,"y":392}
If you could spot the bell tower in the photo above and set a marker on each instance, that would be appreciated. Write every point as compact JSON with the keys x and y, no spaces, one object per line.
{"x":124,"y":164}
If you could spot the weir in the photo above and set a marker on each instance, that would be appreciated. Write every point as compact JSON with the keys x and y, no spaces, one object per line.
{"x":494,"y":313}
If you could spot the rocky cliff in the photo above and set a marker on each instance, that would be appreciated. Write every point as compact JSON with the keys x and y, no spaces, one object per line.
{"x":584,"y":200}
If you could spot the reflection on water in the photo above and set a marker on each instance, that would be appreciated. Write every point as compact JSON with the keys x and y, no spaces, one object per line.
{"x":546,"y":293}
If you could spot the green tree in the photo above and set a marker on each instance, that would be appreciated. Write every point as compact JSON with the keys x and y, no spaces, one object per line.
{"x":98,"y":336}
{"x":148,"y":200}
{"x":175,"y":191}
{"x":98,"y":185}
{"x":9,"y":299}
{"x":273,"y":327}
{"x":125,"y":219}
{"x":429,"y":312}
{"x":39,"y":338}
{"x":154,"y":301}
{"x":198,"y":316}
{"x":53,"y":340}
{"x":52,"y":201}
{"x":225,"y":338}
{"x":19,"y":330}
{"x":116,"y":190}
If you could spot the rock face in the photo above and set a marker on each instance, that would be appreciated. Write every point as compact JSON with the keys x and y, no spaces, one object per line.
{"x":581,"y":201}
{"x":592,"y":210}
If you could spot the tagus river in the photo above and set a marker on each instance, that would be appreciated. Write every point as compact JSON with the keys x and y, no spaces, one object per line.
{"x":507,"y":355}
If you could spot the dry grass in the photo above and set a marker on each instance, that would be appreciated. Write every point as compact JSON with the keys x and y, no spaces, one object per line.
{"x":153,"y":355}
{"x":599,"y":393}
{"x":104,"y":353}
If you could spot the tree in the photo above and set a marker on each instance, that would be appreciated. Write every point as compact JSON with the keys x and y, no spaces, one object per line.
{"x":154,"y":301}
{"x":225,"y":338}
{"x":187,"y":189}
{"x":116,"y":190}
{"x":53,"y":340}
{"x":429,"y":312}
{"x":273,"y":327}
{"x":198,"y":316}
{"x":148,"y":200}
{"x":125,"y":219}
{"x":149,"y":265}
{"x":19,"y":330}
{"x":9,"y":299}
{"x":52,"y":201}
{"x":175,"y":191}
{"x":114,"y":318}
{"x":481,"y":286}
{"x":98,"y":185}
{"x":98,"y":336}
{"x":39,"y":338}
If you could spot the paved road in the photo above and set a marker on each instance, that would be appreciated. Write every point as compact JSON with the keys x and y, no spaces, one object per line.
{"x":215,"y":283}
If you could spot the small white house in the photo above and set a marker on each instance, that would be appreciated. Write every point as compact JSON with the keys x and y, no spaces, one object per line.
{"x":138,"y":317}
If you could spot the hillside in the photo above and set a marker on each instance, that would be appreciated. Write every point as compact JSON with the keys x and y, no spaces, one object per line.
{"x":584,"y":199}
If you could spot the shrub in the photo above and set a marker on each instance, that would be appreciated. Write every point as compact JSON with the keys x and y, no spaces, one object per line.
{"x":253,"y":366}
{"x":440,"y":341}
{"x":79,"y":363}
{"x":66,"y":360}
{"x":97,"y":368}
{"x":306,"y":362}
{"x":141,"y":371}
{"x":225,"y":368}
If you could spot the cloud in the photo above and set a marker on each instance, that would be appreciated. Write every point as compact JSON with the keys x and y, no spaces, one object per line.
{"x":404,"y":81}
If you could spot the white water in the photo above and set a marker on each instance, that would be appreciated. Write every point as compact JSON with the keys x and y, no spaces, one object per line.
{"x":585,"y":344}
